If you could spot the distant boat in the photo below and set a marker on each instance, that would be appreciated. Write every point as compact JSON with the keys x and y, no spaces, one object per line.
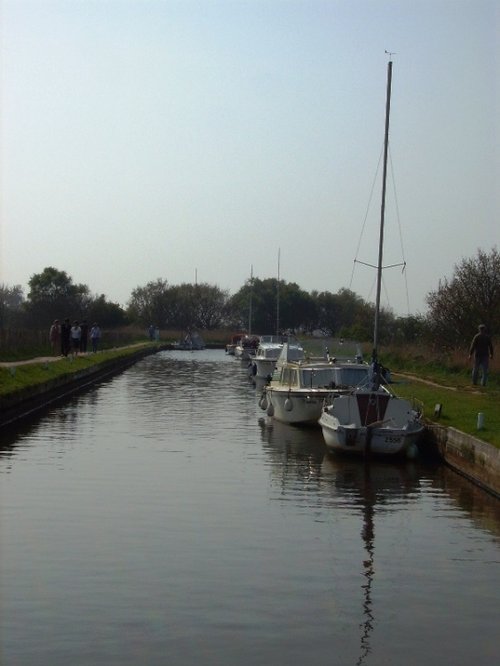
{"x":266,"y":356}
{"x":370,"y":418}
{"x":233,"y":342}
{"x":190,"y":341}
{"x":246,"y":347}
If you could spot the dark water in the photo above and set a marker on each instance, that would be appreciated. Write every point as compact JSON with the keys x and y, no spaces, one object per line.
{"x":159,"y":520}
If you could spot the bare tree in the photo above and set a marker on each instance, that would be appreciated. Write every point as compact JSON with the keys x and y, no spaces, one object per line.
{"x":469,"y":298}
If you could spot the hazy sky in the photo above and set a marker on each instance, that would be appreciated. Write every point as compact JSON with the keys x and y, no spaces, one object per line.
{"x":195,"y":139}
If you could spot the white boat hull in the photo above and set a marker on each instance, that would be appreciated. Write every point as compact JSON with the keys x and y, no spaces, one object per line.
{"x":297,"y":407}
{"x":392,"y":431}
{"x":384,"y":441}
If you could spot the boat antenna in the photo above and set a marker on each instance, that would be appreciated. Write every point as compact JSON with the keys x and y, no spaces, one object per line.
{"x":382,"y":211}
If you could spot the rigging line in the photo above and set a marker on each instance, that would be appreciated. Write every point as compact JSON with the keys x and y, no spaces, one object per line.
{"x":401,"y":263}
{"x":366,"y":215}
{"x":400,"y":232}
{"x":397,"y":207}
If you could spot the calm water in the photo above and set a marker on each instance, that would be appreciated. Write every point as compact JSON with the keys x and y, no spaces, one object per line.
{"x":160,"y":520}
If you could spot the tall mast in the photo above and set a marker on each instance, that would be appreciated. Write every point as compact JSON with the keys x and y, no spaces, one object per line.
{"x":382,"y":211}
{"x":278,"y":297}
{"x":250,"y":303}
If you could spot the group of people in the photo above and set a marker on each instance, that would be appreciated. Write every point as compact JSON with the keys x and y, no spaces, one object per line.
{"x":73,"y":338}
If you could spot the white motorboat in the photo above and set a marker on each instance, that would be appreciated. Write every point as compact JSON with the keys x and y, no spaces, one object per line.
{"x":370,"y":419}
{"x":191,"y":341}
{"x":246,"y":347}
{"x":299,"y":387}
{"x":231,"y":345}
{"x":268,"y":352}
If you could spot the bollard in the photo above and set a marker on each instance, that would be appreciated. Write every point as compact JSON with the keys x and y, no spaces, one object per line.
{"x":480,"y":421}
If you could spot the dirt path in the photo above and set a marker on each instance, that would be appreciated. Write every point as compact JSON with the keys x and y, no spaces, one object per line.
{"x":425,"y":381}
{"x":51,"y":359}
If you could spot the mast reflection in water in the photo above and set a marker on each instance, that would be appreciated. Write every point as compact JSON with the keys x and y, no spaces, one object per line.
{"x":158,"y":519}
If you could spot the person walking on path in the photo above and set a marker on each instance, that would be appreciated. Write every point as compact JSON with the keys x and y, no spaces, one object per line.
{"x":482,"y":349}
{"x":55,"y":337}
{"x":65,"y":337}
{"x":95,"y":336}
{"x":84,"y":328}
{"x":76,"y":333}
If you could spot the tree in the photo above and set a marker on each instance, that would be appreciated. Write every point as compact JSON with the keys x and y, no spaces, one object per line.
{"x":471,"y":297}
{"x":210,"y":304}
{"x":185,"y":306}
{"x":149,"y":304}
{"x":296,"y":309}
{"x":53,"y":295}
{"x":106,"y":313}
{"x":11,"y":302}
{"x":346,"y":314}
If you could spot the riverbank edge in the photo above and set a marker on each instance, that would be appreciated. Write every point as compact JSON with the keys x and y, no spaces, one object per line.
{"x":20,"y":405}
{"x":474,"y":459}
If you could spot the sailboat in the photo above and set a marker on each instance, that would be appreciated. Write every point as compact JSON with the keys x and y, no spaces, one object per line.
{"x":370,"y":418}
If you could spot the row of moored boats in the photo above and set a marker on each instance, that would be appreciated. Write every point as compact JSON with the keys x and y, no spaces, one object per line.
{"x":350,"y":399}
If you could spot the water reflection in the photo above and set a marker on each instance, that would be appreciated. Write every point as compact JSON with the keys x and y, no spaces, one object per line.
{"x":374,"y":487}
{"x":300,"y":462}
{"x":166,"y":501}
{"x":295,"y":455}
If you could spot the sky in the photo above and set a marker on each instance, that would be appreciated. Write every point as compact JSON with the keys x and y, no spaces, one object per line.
{"x":206,"y":140}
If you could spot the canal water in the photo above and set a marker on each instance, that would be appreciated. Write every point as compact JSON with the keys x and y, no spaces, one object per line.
{"x":159,"y":519}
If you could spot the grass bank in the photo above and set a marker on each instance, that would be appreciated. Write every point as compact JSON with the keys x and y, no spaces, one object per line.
{"x":444,"y":378}
{"x":17,"y":378}
{"x":459,"y":407}
{"x":434,"y":378}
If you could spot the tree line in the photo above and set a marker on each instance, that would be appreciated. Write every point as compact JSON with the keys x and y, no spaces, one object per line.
{"x":455,"y":308}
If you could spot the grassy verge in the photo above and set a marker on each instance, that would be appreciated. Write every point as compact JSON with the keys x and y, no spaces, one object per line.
{"x":433,"y":379}
{"x":445,"y":379}
{"x":459,"y":407}
{"x":17,"y":378}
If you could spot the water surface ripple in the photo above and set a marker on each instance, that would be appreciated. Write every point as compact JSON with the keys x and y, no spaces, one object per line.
{"x":162,"y":519}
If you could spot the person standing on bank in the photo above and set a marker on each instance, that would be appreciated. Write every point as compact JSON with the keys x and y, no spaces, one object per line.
{"x":76,"y":333}
{"x":482,"y":349}
{"x":65,"y":337}
{"x":55,"y":336}
{"x":95,"y":336}
{"x":84,"y":334}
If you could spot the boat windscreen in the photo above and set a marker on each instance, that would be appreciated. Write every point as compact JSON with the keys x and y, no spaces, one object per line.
{"x":351,"y":376}
{"x":318,"y":377}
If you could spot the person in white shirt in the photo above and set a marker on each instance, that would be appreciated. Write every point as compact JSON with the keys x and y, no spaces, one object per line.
{"x":95,"y":336}
{"x":75,"y":334}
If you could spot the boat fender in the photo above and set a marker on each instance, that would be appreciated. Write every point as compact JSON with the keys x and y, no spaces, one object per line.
{"x":288,"y":405}
{"x":270,"y":409}
{"x":263,"y":402}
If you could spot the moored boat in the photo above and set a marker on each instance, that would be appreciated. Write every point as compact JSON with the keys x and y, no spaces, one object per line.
{"x":191,"y":341}
{"x":370,"y":418}
{"x":299,"y":387}
{"x":267,"y":354}
{"x":246,"y":347}
{"x":231,"y":345}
